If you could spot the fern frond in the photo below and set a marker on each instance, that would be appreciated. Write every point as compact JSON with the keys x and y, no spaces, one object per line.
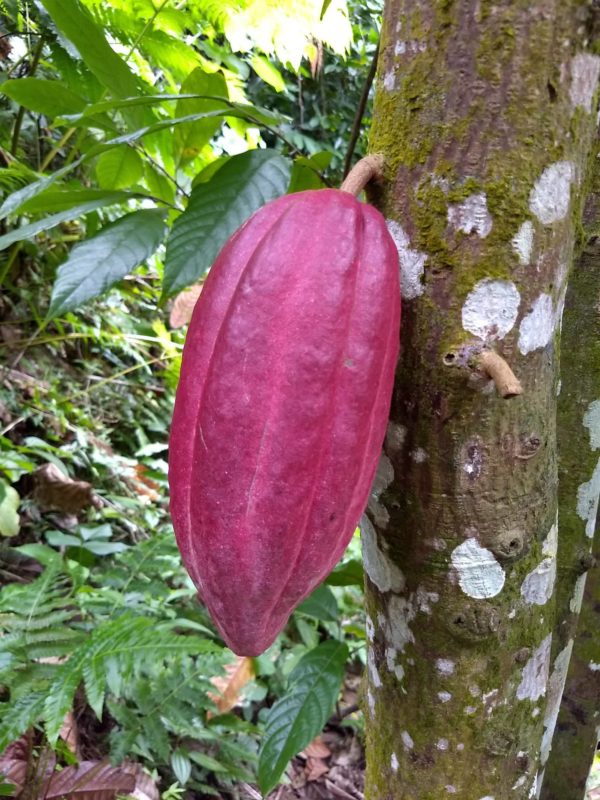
{"x":19,"y":716}
{"x":129,"y":643}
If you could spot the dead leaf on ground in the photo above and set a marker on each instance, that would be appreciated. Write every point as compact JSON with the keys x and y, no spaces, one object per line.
{"x":315,"y":768}
{"x":317,"y":749}
{"x":69,"y":733}
{"x":230,"y":685}
{"x":183,"y":306}
{"x":52,"y":490}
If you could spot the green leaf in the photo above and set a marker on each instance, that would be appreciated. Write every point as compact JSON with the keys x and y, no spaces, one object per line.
{"x":33,"y":228}
{"x":268,"y":72}
{"x":349,"y":573}
{"x":191,"y":137}
{"x":51,"y":98}
{"x":321,"y":604}
{"x":60,"y":539}
{"x":97,"y":263}
{"x":298,"y":716}
{"x":324,"y":7}
{"x":181,"y":766}
{"x":119,"y":168}
{"x":15,"y":200}
{"x":78,"y":26}
{"x":216,"y":209}
{"x":9,"y":517}
{"x":64,"y":198}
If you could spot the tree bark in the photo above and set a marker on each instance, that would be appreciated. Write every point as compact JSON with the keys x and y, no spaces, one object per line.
{"x":576,"y":732}
{"x":484,"y":113}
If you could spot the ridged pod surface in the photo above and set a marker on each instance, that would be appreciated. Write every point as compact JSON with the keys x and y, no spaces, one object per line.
{"x":282,"y":407}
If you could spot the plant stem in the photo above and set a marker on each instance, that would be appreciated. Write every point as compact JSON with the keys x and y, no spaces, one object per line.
{"x":362,"y":104}
{"x":37,"y":54}
{"x":367,"y":169}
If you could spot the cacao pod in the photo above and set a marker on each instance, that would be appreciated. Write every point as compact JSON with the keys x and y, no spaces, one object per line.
{"x":282,"y":406}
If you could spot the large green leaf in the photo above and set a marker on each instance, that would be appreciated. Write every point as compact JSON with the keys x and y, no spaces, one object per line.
{"x":191,"y":137}
{"x":33,"y":228}
{"x":216,"y":209}
{"x":268,"y":72}
{"x":54,"y":200}
{"x":298,"y":716}
{"x":78,"y":26}
{"x":51,"y":98}
{"x":119,"y":168}
{"x":97,"y":263}
{"x":320,"y":604}
{"x":9,"y":515}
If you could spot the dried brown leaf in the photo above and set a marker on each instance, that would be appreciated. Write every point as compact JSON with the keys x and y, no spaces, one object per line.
{"x":90,"y":780}
{"x":69,"y":733}
{"x":317,"y":749}
{"x":54,"y":490}
{"x":229,"y":686}
{"x":315,"y":768}
{"x":13,"y":770}
{"x":183,"y":306}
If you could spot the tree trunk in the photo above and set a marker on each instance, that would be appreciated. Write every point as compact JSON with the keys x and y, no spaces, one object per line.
{"x":576,"y":734}
{"x":485,"y":114}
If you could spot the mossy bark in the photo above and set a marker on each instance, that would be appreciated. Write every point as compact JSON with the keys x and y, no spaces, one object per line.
{"x":485,"y":114}
{"x":576,"y":731}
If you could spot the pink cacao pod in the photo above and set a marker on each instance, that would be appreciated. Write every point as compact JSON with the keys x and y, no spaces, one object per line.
{"x":282,"y":406}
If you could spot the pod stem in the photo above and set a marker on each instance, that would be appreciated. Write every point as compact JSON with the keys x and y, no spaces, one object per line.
{"x":367,"y":169}
{"x":507,"y":384}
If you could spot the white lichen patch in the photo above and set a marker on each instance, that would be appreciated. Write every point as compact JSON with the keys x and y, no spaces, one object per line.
{"x":407,"y":740}
{"x":370,"y":628}
{"x":375,"y":679}
{"x":451,"y":789}
{"x":550,"y":197}
{"x":537,"y":327}
{"x":460,"y":746}
{"x":394,"y":762}
{"x":522,"y":242}
{"x":442,"y":744}
{"x":538,"y":586}
{"x":550,"y":545}
{"x":390,"y":658}
{"x":412,"y":262}
{"x":394,"y":438}
{"x":474,"y":691}
{"x":424,"y":599}
{"x":471,"y":215}
{"x":593,"y":667}
{"x":487,"y":797}
{"x":400,"y":614}
{"x":519,"y":782}
{"x":491,"y":308}
{"x":371,"y":701}
{"x":381,"y":571}
{"x":588,"y":497}
{"x":556,"y":685}
{"x":577,"y":598}
{"x":585,"y":70}
{"x":591,"y":420}
{"x":418,"y":455}
{"x":389,"y":79}
{"x":479,"y":574}
{"x":444,"y":697}
{"x":470,"y":710}
{"x":534,"y":678}
{"x":444,"y":666}
{"x":383,"y":478}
